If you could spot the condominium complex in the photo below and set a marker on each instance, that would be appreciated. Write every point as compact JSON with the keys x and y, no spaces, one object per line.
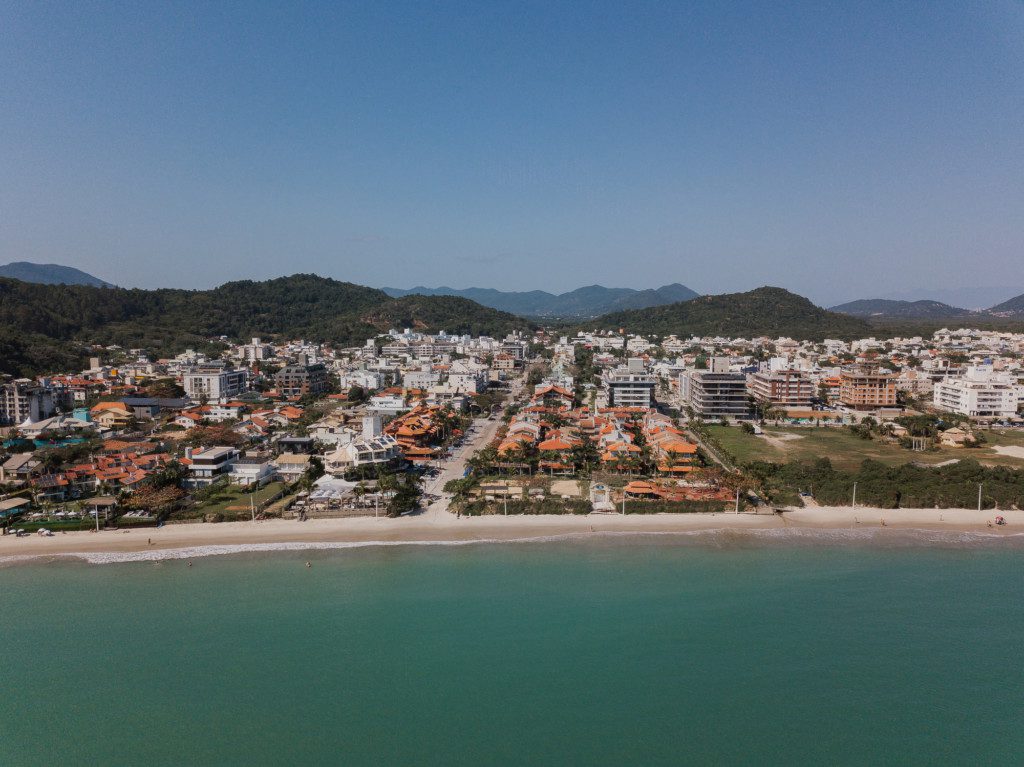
{"x":980,"y":393}
{"x":715,"y":392}
{"x":783,"y":388}
{"x":301,"y":379}
{"x":214,"y":382}
{"x":866,"y":387}
{"x":22,"y":400}
{"x":630,"y":385}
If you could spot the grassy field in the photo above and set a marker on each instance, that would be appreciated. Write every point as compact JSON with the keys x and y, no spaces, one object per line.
{"x":846,"y":450}
{"x":234,"y":500}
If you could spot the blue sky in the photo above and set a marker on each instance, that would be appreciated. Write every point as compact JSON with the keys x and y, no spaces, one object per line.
{"x":842,"y":150}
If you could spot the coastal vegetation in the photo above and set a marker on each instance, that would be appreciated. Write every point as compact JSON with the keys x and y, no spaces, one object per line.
{"x":879,"y":485}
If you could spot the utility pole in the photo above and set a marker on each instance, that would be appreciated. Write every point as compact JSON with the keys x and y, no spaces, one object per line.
{"x":737,"y":500}
{"x":623,"y":503}
{"x":979,"y":496}
{"x":854,"y":495}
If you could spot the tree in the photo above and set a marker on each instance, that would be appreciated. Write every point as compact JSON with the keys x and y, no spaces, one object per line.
{"x":154,"y":499}
{"x":314,"y":470}
{"x":405,"y":498}
{"x":163,"y":388}
{"x":585,"y":456}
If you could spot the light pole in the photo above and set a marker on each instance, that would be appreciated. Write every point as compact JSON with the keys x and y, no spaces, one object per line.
{"x":854,"y":495}
{"x":979,"y":496}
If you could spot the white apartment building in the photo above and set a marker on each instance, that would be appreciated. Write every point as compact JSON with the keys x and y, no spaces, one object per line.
{"x":630,"y":385}
{"x":468,"y":377}
{"x":784,"y":388}
{"x":981,"y":393}
{"x":716,"y":392}
{"x":214,"y":382}
{"x":256,"y":351}
{"x":23,"y":400}
{"x":420,"y":379}
{"x":367,"y":379}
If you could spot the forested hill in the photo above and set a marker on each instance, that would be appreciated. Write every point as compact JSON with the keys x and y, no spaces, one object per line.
{"x":767,"y":311}
{"x":43,"y":327}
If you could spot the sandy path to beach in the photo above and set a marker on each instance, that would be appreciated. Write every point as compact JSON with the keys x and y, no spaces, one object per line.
{"x":449,"y":528}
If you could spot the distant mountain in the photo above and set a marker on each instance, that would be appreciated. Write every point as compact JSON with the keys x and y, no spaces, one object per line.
{"x":930,"y":315}
{"x":873,"y":308}
{"x":1013,"y":307}
{"x":766,"y":311}
{"x":590,"y":301}
{"x":974,"y":298}
{"x":50,"y":274}
{"x":43,"y":327}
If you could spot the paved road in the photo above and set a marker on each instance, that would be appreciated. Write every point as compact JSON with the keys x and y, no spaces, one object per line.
{"x":482,"y":431}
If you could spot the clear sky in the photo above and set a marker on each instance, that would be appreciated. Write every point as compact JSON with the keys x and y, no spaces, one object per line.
{"x":842,"y":150}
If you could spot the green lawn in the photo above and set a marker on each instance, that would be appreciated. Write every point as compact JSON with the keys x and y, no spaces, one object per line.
{"x":234,"y":500}
{"x":846,"y":450}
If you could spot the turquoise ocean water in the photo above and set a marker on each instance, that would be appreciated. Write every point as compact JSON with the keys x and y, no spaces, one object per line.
{"x":597,"y":652}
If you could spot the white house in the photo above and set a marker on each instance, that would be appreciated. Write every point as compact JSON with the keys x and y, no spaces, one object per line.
{"x":361,"y":451}
{"x":252,"y":472}
{"x":206,"y":466}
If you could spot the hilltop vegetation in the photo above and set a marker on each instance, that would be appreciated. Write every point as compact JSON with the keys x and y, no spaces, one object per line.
{"x":765,"y":311}
{"x":43,"y":327}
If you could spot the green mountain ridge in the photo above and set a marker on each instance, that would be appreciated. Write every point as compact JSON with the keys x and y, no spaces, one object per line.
{"x":766,"y":311}
{"x":44,"y":328}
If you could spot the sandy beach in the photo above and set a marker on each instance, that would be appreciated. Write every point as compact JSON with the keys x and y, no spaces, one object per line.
{"x":203,"y":539}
